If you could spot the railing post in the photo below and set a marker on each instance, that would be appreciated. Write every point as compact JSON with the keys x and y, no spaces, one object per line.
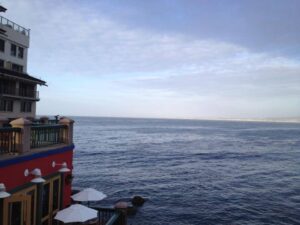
{"x":68,"y":134}
{"x":3,"y":120}
{"x":23,"y":141}
{"x":44,"y":120}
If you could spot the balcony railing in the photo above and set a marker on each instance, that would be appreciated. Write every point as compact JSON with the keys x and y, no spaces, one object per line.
{"x":14,"y":26}
{"x":43,"y":136}
{"x":28,"y":93}
{"x":109,"y":216}
{"x":21,"y":135}
{"x":19,"y":92}
{"x":48,"y":122}
{"x":9,"y":138}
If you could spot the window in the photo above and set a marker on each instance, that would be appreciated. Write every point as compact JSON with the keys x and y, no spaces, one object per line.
{"x":2,"y":45}
{"x":6,"y":105}
{"x":7,"y":87}
{"x":21,"y":52}
{"x":1,"y":63}
{"x":16,"y":67}
{"x":10,"y":105}
{"x":26,"y":106}
{"x":26,"y":90}
{"x":13,"y":50}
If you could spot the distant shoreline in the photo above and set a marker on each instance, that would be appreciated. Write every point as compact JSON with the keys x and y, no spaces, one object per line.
{"x":267,"y":120}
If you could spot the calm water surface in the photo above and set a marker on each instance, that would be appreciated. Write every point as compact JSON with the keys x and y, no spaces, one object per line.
{"x":193,"y":172}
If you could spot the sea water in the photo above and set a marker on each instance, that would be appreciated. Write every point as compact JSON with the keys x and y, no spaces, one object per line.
{"x":192,"y":171}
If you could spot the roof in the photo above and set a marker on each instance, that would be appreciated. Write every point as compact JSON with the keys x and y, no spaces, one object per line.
{"x":21,"y":75}
{"x":2,"y":9}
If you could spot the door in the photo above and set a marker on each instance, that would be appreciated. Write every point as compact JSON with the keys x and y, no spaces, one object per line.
{"x":17,"y":210}
{"x":50,"y":200}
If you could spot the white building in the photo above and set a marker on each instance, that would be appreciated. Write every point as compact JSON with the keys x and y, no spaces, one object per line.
{"x":18,"y":90}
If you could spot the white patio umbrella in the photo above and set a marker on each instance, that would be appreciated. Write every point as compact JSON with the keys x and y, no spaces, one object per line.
{"x":88,"y":194}
{"x":76,"y":213}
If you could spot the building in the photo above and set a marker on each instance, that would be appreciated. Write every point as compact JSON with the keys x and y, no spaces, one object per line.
{"x":18,"y":90}
{"x":36,"y":155}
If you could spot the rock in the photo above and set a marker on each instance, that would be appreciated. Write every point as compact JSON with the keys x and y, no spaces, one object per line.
{"x":137,"y":201}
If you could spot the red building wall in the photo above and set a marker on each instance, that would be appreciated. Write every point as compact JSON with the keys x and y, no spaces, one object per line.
{"x":12,"y":170}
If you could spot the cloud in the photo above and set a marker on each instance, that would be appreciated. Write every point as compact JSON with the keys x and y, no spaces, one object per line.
{"x":110,"y":67}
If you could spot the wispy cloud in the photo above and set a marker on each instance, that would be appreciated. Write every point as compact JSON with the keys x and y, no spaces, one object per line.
{"x":97,"y":65}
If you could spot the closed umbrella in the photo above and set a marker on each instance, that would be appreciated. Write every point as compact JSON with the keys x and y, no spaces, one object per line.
{"x":88,"y":194}
{"x":76,"y":213}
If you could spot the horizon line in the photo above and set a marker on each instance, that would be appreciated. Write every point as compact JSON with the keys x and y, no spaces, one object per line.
{"x":263,"y":120}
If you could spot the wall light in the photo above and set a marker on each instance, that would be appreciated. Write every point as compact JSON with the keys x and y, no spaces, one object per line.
{"x":3,"y":193}
{"x":64,"y":167}
{"x":38,"y":175}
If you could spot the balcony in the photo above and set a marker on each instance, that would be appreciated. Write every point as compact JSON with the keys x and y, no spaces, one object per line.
{"x":8,"y":23}
{"x":24,"y":136}
{"x":20,"y":93}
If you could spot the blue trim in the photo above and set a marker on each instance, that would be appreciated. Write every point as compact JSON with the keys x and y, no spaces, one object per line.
{"x":37,"y":155}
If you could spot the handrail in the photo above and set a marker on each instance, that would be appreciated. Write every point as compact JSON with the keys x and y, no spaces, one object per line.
{"x":10,"y":129}
{"x":14,"y":26}
{"x":114,"y":219}
{"x":38,"y":122}
{"x":36,"y":127}
{"x":110,"y":216}
{"x":20,"y":92}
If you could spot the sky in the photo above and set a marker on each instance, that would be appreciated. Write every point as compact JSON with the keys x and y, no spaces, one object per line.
{"x":190,"y":59}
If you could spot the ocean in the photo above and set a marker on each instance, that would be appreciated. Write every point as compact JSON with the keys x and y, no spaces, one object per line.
{"x":193,"y":171}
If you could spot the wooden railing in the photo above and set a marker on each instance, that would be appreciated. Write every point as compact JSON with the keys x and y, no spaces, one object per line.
{"x":9,"y":140}
{"x":46,"y":135}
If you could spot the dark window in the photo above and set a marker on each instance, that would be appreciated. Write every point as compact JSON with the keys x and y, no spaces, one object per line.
{"x":2,"y":45}
{"x":13,"y":50}
{"x":45,"y":200}
{"x":21,"y":52}
{"x":26,"y":106}
{"x":6,"y":105}
{"x":7,"y":87}
{"x":1,"y":63}
{"x":17,"y":68}
{"x":10,"y":105}
{"x":26,"y":90}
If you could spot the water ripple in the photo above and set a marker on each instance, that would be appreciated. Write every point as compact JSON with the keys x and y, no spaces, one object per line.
{"x":193,"y":172}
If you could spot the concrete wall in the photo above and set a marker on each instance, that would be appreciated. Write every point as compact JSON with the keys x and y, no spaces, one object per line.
{"x":17,"y":114}
{"x":17,"y":108}
{"x":17,"y":38}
